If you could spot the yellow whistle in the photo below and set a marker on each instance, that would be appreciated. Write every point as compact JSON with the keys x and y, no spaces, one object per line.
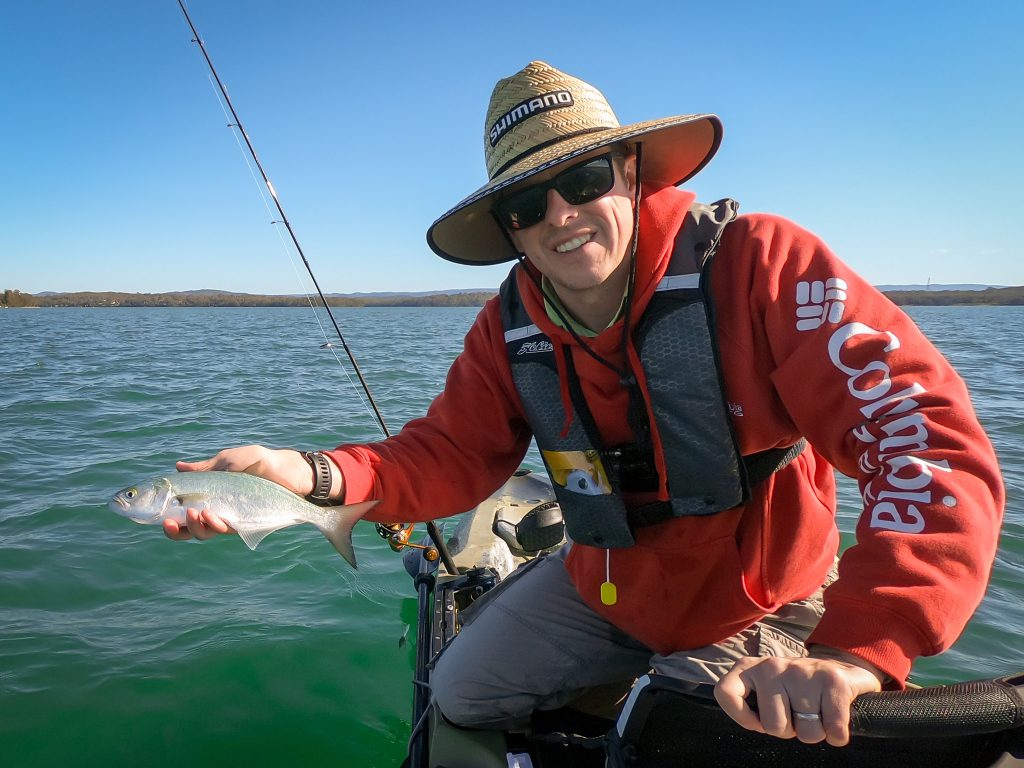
{"x":609,"y":595}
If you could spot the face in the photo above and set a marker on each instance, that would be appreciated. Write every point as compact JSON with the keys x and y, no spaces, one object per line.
{"x":582,"y":249}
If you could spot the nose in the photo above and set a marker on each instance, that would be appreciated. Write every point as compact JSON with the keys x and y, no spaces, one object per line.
{"x":559,"y":211}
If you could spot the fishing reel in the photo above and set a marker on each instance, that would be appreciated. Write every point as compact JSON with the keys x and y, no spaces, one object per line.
{"x":397,"y":536}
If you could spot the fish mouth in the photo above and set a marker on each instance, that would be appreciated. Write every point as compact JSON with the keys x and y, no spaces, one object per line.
{"x":122,"y":507}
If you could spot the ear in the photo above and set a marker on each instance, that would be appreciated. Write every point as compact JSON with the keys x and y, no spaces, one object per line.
{"x":513,"y":237}
{"x":629,"y":172}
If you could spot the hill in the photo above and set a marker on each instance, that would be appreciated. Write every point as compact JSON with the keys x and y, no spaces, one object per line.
{"x":937,"y":287}
{"x":963,"y":294}
{"x":217,"y":298}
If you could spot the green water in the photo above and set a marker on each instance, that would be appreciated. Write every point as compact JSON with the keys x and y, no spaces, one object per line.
{"x":118,"y":647}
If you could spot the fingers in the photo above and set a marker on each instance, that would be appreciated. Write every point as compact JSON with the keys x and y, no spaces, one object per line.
{"x":732,"y":691}
{"x":206,"y":525}
{"x":229,"y":460}
{"x":808,"y":722}
{"x":835,"y":718}
{"x":193,"y":466}
{"x":765,"y":699}
{"x":199,"y":524}
{"x":176,"y":532}
{"x":795,"y":697}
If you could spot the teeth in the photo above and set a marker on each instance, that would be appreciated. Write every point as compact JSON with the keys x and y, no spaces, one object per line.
{"x":573,"y":244}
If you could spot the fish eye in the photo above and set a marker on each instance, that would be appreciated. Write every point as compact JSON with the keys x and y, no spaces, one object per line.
{"x":131,"y":493}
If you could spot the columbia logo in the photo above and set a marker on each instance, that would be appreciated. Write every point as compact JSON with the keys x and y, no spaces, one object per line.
{"x":534,"y":347}
{"x":820,"y":302}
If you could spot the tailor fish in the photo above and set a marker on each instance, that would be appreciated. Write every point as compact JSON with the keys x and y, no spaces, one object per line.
{"x":253,"y":506}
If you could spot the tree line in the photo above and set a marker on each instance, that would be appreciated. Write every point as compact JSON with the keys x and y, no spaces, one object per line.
{"x":1013,"y":296}
{"x":14,"y":298}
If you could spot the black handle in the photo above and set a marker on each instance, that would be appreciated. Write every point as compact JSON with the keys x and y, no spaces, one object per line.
{"x":978,"y":706}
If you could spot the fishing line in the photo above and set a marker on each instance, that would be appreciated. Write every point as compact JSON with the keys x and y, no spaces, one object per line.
{"x":387,"y":531}
{"x":240,"y":128}
{"x":291,"y":259}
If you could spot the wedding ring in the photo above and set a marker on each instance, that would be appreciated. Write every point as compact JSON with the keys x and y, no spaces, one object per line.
{"x":809,"y":716}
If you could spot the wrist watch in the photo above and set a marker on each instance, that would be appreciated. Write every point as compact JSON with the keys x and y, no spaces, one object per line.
{"x":322,"y":477}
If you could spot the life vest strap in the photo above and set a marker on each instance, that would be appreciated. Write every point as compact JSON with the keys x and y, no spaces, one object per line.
{"x":759,"y":466}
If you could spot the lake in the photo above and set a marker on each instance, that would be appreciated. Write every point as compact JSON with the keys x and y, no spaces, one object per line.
{"x":118,"y":647}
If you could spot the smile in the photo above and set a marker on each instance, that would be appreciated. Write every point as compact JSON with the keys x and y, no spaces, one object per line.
{"x":573,"y":244}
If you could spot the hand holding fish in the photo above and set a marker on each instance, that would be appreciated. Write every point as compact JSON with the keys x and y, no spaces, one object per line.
{"x":284,"y":466}
{"x":252,"y":503}
{"x":200,"y":524}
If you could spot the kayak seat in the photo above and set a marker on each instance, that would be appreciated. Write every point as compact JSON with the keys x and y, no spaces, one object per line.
{"x":668,"y":723}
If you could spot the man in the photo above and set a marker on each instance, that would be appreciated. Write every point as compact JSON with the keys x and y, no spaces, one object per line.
{"x":699,"y":374}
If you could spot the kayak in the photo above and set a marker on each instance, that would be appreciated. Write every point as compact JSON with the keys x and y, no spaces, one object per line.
{"x":665,"y":722}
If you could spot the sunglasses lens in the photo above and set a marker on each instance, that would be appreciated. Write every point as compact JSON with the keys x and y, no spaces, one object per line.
{"x":523,"y":209}
{"x":578,"y":185}
{"x":587,"y":182}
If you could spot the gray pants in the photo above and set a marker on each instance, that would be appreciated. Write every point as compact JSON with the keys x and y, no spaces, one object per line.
{"x":532,"y":643}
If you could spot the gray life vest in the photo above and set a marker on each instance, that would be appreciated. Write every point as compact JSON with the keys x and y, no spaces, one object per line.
{"x":675,"y":341}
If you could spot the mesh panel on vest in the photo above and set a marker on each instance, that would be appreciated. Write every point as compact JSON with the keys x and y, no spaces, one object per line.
{"x":690,"y":413}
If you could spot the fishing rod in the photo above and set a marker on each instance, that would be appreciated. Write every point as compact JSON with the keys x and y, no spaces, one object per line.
{"x":397,"y":534}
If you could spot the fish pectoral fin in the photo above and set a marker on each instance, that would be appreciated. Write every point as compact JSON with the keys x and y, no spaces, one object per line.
{"x":253,"y":536}
{"x":192,"y":501}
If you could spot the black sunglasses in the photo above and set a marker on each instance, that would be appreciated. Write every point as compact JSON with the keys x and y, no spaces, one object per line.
{"x":582,"y":183}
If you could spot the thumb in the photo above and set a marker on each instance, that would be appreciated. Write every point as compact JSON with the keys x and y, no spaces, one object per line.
{"x":193,"y":466}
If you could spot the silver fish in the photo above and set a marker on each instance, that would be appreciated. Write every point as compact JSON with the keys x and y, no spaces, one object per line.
{"x":253,"y":506}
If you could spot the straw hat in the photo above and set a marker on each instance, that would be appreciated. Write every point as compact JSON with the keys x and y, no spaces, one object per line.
{"x":539,"y":118}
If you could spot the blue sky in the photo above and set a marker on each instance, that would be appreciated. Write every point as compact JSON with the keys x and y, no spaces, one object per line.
{"x":893,"y":130}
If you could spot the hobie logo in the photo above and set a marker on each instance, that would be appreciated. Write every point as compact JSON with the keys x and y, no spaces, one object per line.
{"x":534,"y":347}
{"x":526,"y":108}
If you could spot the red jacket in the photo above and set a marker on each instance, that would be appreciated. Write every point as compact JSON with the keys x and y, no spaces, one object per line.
{"x":807,"y":348}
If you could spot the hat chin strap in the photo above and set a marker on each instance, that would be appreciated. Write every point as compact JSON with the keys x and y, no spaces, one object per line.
{"x":631,"y":284}
{"x":637,"y":410}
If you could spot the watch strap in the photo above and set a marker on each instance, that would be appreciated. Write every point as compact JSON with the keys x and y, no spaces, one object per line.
{"x":322,"y":476}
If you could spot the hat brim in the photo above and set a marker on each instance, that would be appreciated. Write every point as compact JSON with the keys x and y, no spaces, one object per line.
{"x":675,"y":149}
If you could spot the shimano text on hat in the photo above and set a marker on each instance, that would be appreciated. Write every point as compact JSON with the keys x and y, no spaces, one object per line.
{"x":526,"y":108}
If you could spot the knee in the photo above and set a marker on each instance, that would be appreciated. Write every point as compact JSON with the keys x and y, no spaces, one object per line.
{"x":457,"y":696}
{"x":465,"y":696}
{"x":461,"y":712}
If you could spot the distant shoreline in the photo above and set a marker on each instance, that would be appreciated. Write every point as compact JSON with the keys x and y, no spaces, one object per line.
{"x":1010,"y":296}
{"x":992,"y":297}
{"x":228,"y":299}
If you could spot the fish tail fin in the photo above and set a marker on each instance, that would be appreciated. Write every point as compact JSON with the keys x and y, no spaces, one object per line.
{"x":336,"y":524}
